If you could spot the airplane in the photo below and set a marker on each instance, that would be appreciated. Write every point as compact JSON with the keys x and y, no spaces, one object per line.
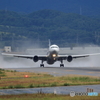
{"x":52,"y":56}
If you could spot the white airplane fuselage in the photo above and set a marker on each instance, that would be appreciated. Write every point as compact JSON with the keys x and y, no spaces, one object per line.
{"x":53,"y":54}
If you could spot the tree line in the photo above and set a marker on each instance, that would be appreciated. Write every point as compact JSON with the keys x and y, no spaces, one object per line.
{"x":37,"y":27}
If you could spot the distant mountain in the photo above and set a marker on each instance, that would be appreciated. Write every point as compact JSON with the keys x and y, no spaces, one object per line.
{"x":84,"y":7}
{"x":62,"y":28}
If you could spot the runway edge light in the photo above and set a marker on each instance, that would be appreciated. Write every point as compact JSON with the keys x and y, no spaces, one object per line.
{"x":26,"y":76}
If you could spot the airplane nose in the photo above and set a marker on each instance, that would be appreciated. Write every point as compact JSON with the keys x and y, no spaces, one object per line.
{"x":56,"y":49}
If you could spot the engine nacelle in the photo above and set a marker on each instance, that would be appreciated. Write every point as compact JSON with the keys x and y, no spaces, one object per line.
{"x":69,"y":58}
{"x":35,"y":59}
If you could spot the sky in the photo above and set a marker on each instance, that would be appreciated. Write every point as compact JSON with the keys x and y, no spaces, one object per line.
{"x":68,"y":6}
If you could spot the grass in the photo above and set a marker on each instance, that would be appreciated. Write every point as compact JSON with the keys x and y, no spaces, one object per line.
{"x":42,"y":96}
{"x":14,"y":79}
{"x":2,"y":72}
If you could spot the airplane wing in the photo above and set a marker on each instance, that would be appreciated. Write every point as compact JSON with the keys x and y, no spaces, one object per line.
{"x":70,"y":57}
{"x":44,"y":57}
{"x":40,"y":57}
{"x":84,"y":55}
{"x":18,"y":55}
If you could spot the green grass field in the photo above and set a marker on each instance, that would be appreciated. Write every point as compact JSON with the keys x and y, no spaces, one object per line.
{"x":13,"y":79}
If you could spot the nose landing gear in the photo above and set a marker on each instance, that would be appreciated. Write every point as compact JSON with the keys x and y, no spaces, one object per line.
{"x":42,"y":65}
{"x":61,"y":65}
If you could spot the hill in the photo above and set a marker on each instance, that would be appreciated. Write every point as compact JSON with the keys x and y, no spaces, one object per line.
{"x":62,"y":28}
{"x":84,"y":7}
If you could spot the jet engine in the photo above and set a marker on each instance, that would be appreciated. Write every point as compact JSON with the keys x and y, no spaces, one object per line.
{"x":35,"y":59}
{"x":69,"y":58}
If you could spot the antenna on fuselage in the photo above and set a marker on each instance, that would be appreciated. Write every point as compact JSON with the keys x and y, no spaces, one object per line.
{"x":49,"y":43}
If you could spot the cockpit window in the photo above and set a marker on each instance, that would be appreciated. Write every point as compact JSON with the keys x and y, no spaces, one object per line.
{"x":54,"y":47}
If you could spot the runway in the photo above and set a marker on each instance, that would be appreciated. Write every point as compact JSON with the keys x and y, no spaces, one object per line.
{"x":60,"y":71}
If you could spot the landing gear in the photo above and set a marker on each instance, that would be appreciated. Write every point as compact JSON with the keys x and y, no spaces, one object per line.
{"x":61,"y":65}
{"x":42,"y":65}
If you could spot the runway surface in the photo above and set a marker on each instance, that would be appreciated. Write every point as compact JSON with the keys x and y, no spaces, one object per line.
{"x":57,"y":71}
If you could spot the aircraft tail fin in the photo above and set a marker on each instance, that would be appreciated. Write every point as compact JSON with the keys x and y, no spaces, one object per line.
{"x":49,"y":43}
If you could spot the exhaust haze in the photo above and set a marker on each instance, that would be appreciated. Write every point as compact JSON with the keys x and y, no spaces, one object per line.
{"x":91,"y":61}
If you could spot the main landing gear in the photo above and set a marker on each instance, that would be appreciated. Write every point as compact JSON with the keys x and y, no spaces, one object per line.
{"x":42,"y":65}
{"x":61,"y":65}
